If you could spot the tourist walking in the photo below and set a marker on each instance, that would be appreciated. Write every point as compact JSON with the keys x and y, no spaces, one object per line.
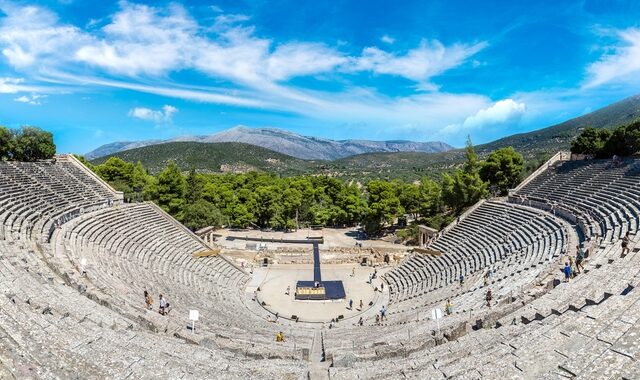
{"x":625,"y":244}
{"x":353,"y":272}
{"x":448,"y":307}
{"x":288,"y":290}
{"x":579,"y":259}
{"x":383,"y":311}
{"x":567,"y":272}
{"x":148,"y":300}
{"x":361,"y":305}
{"x":350,"y":304}
{"x":163,"y":305}
{"x":489,"y":297}
{"x":572,"y":265}
{"x":461,"y":279}
{"x":360,"y":322}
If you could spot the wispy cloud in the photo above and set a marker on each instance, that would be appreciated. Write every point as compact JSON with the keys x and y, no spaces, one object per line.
{"x":141,"y":47}
{"x":387,"y":39}
{"x":163,"y":115}
{"x":33,"y":99}
{"x":621,"y":64}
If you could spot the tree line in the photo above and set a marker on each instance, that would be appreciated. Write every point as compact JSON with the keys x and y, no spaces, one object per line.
{"x":264,"y":200}
{"x":26,"y":144}
{"x":624,"y":140}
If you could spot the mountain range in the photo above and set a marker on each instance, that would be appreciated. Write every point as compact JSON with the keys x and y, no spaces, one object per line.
{"x":285,"y":142}
{"x":535,"y":146}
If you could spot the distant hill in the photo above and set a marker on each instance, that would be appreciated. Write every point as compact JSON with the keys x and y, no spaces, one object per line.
{"x":214,"y":158}
{"x":534,"y":146}
{"x":559,"y":136}
{"x":289,"y":143}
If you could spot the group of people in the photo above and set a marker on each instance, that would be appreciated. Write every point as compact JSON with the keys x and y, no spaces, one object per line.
{"x":574,"y":266}
{"x":164,"y":307}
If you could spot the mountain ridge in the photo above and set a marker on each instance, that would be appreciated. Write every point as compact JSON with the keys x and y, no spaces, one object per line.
{"x":285,"y":142}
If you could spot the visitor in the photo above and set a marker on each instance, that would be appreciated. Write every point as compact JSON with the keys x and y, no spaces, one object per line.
{"x":579,"y":258}
{"x":350,"y":304}
{"x":448,"y":307}
{"x":377,"y":319}
{"x":288,"y":290}
{"x":489,"y":297}
{"x":360,"y":322}
{"x":625,"y":244}
{"x":361,"y":306}
{"x":381,"y":287}
{"x":572,"y":264}
{"x":148,"y":300}
{"x":567,"y":272}
{"x":461,"y":279}
{"x":370,"y":278}
{"x":382,"y":313}
{"x":353,"y":272}
{"x":163,"y":305}
{"x":279,"y":337}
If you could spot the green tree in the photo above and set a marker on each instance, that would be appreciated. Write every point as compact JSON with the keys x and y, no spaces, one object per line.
{"x":410,"y":198}
{"x":471,"y":164}
{"x":430,"y":197}
{"x":171,"y":189}
{"x":590,"y":141}
{"x":31,"y":144}
{"x":502,"y":168}
{"x":200,"y":214}
{"x":624,"y":141}
{"x":117,"y":172}
{"x":384,"y":204}
{"x":195,"y":187}
{"x":6,"y":143}
{"x":464,"y":187}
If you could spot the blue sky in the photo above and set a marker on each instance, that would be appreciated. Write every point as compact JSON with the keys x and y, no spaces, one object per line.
{"x":95,"y":72}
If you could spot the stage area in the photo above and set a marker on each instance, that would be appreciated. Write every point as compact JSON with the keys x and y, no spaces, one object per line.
{"x":274,"y":280}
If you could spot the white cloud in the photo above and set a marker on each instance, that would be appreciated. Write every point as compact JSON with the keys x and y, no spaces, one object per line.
{"x":163,"y":115}
{"x":142,"y":39}
{"x":31,"y":35}
{"x":619,"y":66}
{"x":502,"y":112}
{"x":140,"y":46}
{"x":429,"y":59}
{"x":10,"y":85}
{"x":387,"y":39}
{"x":299,"y":59}
{"x":33,"y":99}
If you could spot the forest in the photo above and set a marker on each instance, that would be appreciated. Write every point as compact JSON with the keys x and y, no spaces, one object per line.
{"x":265,"y":200}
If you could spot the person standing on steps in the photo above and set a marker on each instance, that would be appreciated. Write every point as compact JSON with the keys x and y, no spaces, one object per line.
{"x":163,"y":305}
{"x":567,"y":272}
{"x":625,"y":244}
{"x":383,"y":311}
{"x":448,"y":307}
{"x":489,"y":297}
{"x":579,"y":259}
{"x":148,"y":300}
